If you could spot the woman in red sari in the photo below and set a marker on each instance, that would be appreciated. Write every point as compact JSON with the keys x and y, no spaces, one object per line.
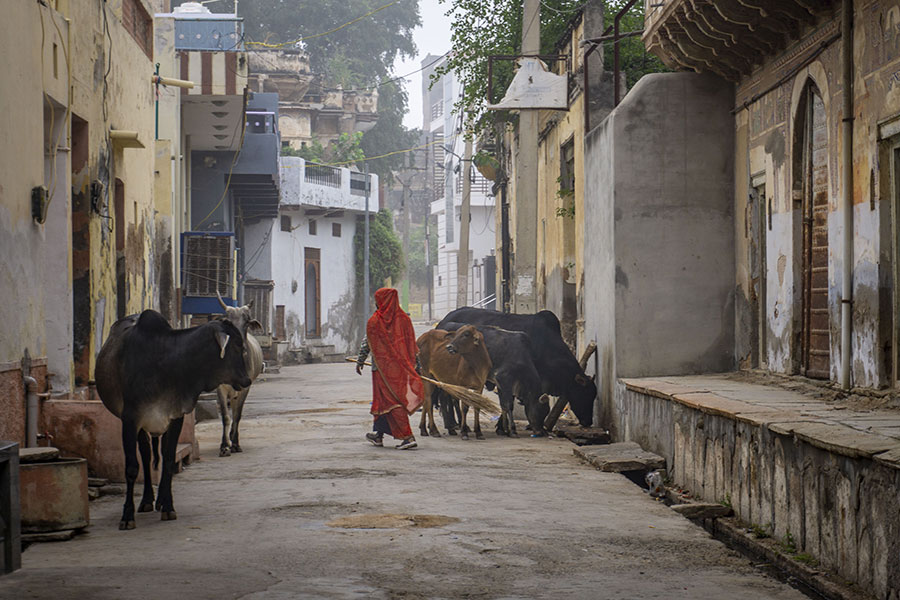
{"x":397,"y":391}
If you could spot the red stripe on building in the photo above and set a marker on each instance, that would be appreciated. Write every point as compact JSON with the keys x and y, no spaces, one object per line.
{"x":184,"y":70}
{"x":206,"y":73}
{"x":230,"y":73}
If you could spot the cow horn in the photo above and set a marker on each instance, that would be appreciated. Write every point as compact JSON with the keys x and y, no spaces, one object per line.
{"x":222,"y":302}
{"x":222,"y":338}
{"x":250,"y":304}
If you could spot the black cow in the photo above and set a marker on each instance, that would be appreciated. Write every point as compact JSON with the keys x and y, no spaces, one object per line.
{"x":514,"y":374}
{"x":150,"y":376}
{"x":561,"y":375}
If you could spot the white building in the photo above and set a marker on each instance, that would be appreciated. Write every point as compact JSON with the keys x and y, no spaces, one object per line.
{"x":444,"y":126}
{"x":306,"y":258}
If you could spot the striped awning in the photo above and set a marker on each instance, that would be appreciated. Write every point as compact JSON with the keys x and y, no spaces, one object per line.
{"x":215,"y":73}
{"x":213,"y":110}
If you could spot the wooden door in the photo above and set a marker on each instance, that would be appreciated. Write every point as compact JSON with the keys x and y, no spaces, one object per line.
{"x":313,"y":291}
{"x":815,"y":331}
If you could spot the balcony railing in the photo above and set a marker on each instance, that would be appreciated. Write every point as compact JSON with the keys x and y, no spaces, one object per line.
{"x":322,"y":175}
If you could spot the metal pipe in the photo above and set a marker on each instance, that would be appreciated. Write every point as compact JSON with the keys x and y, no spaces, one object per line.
{"x":31,"y":411}
{"x":847,"y":188}
{"x":366,"y":254}
{"x":182,"y":83}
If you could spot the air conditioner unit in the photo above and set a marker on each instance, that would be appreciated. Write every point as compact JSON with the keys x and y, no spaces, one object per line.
{"x":207,"y":267}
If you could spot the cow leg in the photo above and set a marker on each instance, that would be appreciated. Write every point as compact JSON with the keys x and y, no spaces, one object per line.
{"x":478,"y":434}
{"x":464,"y":427}
{"x":129,"y":445}
{"x":146,"y":504}
{"x":222,"y":400}
{"x":169,"y":446}
{"x":448,"y":404}
{"x":426,"y":410}
{"x":237,"y":409}
{"x":507,"y":405}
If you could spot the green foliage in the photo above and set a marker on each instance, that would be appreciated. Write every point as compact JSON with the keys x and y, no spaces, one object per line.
{"x":482,"y":28}
{"x":759,"y":532}
{"x":359,"y":56}
{"x":385,"y":251}
{"x":567,"y":197}
{"x":418,"y":272}
{"x":342,"y":151}
{"x":788,"y":544}
{"x":726,"y":502}
{"x":635,"y":60}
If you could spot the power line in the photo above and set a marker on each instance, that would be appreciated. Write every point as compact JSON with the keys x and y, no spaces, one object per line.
{"x":378,"y":85}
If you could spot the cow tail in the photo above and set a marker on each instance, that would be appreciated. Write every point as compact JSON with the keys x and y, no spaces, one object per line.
{"x":154,"y":442}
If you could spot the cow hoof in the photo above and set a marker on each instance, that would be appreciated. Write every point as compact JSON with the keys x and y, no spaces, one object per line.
{"x":514,"y":434}
{"x":423,"y":432}
{"x":145,"y":507}
{"x":123,"y":525}
{"x":451,"y":432}
{"x":464,"y":436}
{"x":168,"y":515}
{"x":435,"y":433}
{"x":224,"y":451}
{"x":479,"y":435}
{"x":236,"y":448}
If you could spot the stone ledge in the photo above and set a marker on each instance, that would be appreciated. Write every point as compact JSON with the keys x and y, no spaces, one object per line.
{"x":833,"y":437}
{"x":620,"y":457}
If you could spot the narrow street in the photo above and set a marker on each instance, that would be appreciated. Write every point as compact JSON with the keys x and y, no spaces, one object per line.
{"x":293,"y":517}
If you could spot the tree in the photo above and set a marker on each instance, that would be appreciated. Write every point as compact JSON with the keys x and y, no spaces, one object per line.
{"x":385,"y":251}
{"x":418,"y":272}
{"x":359,"y":55}
{"x":345,"y":150}
{"x":482,"y":28}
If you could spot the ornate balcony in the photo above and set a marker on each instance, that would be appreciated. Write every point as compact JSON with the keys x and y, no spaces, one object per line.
{"x":728,"y":37}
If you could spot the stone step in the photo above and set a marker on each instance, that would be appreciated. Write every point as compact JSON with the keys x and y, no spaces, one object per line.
{"x":584,"y":436}
{"x":697,"y":510}
{"x":33,"y":455}
{"x":620,"y":457}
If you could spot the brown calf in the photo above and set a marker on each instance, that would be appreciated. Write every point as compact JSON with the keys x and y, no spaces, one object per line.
{"x":458,"y":357}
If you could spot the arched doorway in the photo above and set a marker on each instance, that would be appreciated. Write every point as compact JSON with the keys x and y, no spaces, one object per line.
{"x":312,"y":291}
{"x":810,"y":183}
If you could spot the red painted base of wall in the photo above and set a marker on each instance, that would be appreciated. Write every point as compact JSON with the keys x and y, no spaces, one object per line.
{"x":86,"y":429}
{"x":12,"y":398}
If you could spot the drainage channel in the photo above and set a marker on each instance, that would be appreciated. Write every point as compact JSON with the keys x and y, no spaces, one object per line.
{"x":628,"y":459}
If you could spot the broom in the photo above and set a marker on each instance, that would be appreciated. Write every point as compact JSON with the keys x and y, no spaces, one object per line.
{"x":463,"y":394}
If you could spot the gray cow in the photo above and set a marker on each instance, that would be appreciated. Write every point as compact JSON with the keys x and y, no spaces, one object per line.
{"x":231,"y":401}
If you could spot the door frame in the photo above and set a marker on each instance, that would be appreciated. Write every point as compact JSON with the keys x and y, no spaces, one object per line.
{"x":312,"y":257}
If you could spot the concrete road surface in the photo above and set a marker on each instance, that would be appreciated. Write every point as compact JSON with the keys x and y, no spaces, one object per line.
{"x":312,"y":510}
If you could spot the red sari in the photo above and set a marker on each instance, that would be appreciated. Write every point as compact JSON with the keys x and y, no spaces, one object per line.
{"x":397,"y":390}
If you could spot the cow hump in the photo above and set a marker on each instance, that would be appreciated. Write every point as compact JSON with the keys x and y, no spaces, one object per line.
{"x":151,"y":321}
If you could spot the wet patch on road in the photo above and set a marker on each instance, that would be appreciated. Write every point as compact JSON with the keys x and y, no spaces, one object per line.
{"x":391,"y":521}
{"x":336,"y":474}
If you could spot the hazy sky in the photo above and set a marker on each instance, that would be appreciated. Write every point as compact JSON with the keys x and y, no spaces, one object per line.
{"x":433,"y":37}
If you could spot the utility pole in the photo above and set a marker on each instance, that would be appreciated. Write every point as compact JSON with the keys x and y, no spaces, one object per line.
{"x":525,"y":250}
{"x":462,"y":257}
{"x":404,"y":231}
{"x":366,"y":250}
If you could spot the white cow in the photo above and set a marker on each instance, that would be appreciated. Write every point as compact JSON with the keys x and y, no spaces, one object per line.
{"x":230,"y":401}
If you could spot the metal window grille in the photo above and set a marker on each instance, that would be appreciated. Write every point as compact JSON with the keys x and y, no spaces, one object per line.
{"x":437,"y":172}
{"x":139,"y":24}
{"x":480,"y":185}
{"x":260,"y":292}
{"x":208,"y":265}
{"x":358,"y":184}
{"x":437,"y":110}
{"x":322,"y":175}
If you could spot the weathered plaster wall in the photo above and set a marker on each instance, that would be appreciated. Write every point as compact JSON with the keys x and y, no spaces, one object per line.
{"x":771,"y":125}
{"x":658,"y":204}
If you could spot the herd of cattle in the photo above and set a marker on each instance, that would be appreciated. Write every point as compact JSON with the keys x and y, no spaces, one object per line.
{"x":150,"y":375}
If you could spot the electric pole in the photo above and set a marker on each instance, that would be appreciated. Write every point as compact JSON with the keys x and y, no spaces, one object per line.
{"x":366,"y":251}
{"x":525,"y":199}
{"x":462,"y":256}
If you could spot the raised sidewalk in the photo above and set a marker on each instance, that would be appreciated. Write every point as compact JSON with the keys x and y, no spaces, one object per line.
{"x":819,"y":473}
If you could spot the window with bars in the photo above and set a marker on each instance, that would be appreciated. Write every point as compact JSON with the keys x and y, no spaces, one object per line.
{"x":139,"y":24}
{"x":336,"y":229}
{"x":437,"y":169}
{"x":480,"y":185}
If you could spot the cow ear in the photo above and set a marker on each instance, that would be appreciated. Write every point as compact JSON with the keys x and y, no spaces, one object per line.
{"x":222,"y":338}
{"x":581,"y":379}
{"x":255,"y":326}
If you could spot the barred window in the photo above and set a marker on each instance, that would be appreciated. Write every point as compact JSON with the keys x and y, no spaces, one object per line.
{"x":139,"y":24}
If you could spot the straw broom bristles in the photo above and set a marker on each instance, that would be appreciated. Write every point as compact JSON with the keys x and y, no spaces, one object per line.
{"x":464,"y":395}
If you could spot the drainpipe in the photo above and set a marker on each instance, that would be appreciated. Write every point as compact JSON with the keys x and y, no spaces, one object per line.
{"x":31,"y":411}
{"x":847,"y":187}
